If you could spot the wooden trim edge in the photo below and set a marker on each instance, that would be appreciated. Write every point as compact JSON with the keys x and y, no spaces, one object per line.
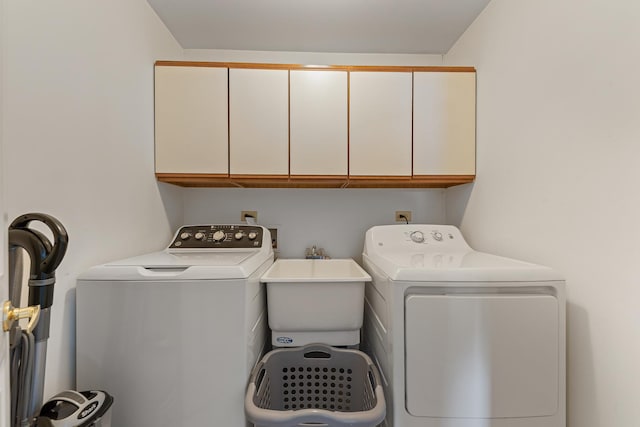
{"x":275,"y":66}
{"x":449,"y":178}
{"x":313,"y":181}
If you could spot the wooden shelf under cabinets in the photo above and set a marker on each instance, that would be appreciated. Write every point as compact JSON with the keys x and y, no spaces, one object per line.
{"x":422,"y":181}
{"x":312,"y":181}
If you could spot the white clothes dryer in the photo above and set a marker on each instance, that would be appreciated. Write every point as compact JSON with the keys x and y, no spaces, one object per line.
{"x":462,"y":338}
{"x":173,"y":335}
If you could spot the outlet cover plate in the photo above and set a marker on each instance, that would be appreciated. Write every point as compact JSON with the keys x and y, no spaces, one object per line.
{"x":245,"y":214}
{"x":274,"y":237}
{"x":406,"y":214}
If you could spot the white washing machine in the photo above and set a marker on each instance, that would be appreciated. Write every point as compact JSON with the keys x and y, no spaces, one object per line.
{"x":173,"y":335}
{"x":463,"y":338}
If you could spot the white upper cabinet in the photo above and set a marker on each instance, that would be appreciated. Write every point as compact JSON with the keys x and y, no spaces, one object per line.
{"x":319,"y":129}
{"x":444,"y":123}
{"x":262,"y":125}
{"x":191,"y":120}
{"x":259,"y":121}
{"x":380,"y":123}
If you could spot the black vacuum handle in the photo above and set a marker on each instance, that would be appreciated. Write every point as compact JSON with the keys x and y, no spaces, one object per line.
{"x":35,"y":247}
{"x":44,"y":239}
{"x":60,"y":238}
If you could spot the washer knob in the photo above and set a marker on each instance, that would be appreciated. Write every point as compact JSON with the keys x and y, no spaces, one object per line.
{"x":253,"y":235}
{"x":437,"y":236}
{"x":239,"y":235}
{"x":417,"y":236}
{"x":199,"y":236}
{"x":185,"y":235}
{"x":219,"y":236}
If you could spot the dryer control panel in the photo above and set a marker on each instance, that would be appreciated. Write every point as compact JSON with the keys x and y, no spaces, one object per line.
{"x":393,"y":240}
{"x":414,"y":237}
{"x":218,"y":237}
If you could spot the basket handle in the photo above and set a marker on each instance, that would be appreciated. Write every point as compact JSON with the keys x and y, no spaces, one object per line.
{"x":261,"y":374}
{"x":373,"y":378}
{"x":316,"y":351}
{"x":257,"y":370}
{"x":317,"y":354}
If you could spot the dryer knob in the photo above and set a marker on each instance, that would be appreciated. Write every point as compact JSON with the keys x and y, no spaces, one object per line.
{"x":219,"y":236}
{"x":417,"y":236}
{"x":199,"y":236}
{"x":253,"y":235}
{"x":185,"y":236}
{"x":437,"y":236}
{"x":239,"y":235}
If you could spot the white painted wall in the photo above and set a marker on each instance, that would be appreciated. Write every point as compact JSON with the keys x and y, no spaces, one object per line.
{"x":78,"y":139}
{"x":558,"y":149}
{"x":311,"y":58}
{"x":333,"y":219}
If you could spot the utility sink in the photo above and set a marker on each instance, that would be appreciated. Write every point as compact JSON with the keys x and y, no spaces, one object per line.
{"x":315,"y":301}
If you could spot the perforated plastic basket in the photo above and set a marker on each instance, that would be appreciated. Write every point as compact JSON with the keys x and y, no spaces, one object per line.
{"x":315,"y":384}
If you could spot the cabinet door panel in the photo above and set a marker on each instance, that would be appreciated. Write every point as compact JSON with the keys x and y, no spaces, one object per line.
{"x":380,"y":123}
{"x":444,"y":123}
{"x":318,"y":122}
{"x":259,"y":121}
{"x":191,"y":120}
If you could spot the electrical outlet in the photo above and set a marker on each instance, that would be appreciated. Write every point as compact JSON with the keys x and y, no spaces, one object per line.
{"x":274,"y":237}
{"x":245,"y":214}
{"x":401,"y":215}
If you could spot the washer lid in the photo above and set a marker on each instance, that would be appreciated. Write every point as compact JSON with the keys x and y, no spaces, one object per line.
{"x":197,"y":252}
{"x":165,"y":266}
{"x":166,"y":259}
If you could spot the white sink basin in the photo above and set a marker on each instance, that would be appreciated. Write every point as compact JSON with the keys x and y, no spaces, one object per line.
{"x":315,"y":301}
{"x":315,"y":270}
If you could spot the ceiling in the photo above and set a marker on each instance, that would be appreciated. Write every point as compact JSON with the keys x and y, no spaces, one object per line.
{"x":354,"y":26}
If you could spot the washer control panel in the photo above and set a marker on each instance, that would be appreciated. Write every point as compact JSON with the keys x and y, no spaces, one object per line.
{"x":218,"y":236}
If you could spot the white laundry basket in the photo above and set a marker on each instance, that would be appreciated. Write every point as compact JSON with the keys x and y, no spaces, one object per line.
{"x":315,"y":384}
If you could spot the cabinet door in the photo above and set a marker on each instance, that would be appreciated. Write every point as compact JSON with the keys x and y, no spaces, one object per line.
{"x":318,"y":122}
{"x":444,"y":124}
{"x":259,"y":121}
{"x":380,"y":123}
{"x":191,"y":120}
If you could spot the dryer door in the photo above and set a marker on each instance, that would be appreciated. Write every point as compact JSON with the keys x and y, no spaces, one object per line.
{"x":481,"y":356}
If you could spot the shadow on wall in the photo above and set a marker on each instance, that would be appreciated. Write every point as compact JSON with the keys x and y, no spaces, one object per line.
{"x":69,"y":324}
{"x":580,"y":359}
{"x":172,"y":200}
{"x":456,"y":201}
